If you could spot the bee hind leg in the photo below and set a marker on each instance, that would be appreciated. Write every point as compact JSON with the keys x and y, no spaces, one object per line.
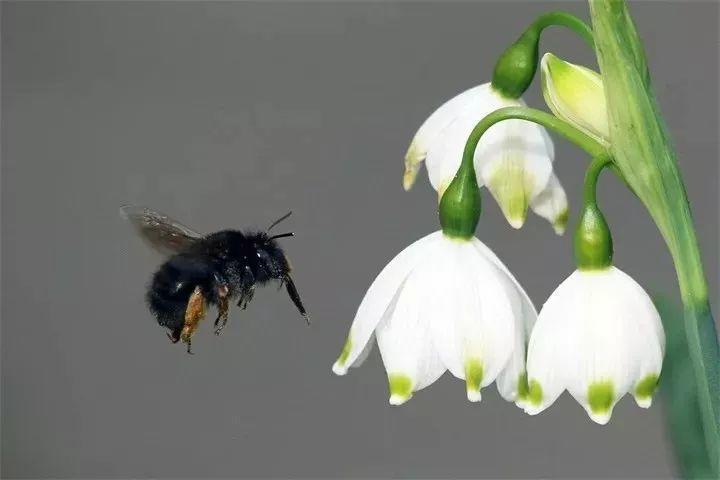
{"x":195,"y":311}
{"x":223,"y":307}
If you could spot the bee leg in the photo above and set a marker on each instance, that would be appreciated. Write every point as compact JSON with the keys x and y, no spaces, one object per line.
{"x":248,"y":290}
{"x":295,"y":297}
{"x":246,"y":296}
{"x":223,"y":307}
{"x":194,"y":312}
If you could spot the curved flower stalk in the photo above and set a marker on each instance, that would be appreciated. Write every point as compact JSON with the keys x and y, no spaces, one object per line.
{"x":444,"y":304}
{"x":513,"y":160}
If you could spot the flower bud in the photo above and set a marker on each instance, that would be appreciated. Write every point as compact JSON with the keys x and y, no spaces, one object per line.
{"x":575,"y":94}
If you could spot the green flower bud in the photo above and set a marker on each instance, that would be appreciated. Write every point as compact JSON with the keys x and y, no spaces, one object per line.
{"x":575,"y":94}
{"x":593,"y":242}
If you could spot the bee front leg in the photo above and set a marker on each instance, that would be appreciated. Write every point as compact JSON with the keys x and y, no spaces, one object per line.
{"x":223,"y":307}
{"x":295,"y":297}
{"x":194,"y":312}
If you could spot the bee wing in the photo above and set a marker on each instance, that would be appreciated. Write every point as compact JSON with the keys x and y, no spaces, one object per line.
{"x":161,"y":232}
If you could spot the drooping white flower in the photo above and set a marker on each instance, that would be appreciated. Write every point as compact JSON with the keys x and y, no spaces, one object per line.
{"x":444,"y":304}
{"x":513,"y":158}
{"x":599,"y":336}
{"x":575,"y":94}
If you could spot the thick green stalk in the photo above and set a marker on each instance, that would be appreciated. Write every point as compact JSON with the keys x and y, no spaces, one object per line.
{"x":643,"y":152}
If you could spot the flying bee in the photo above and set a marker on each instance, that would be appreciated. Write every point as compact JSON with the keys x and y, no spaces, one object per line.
{"x":203,"y":270}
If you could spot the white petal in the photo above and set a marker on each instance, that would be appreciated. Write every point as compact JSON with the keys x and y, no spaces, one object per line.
{"x":514,"y":162}
{"x":554,"y":348}
{"x":376,"y":301}
{"x":473,"y":327}
{"x":551,"y":203}
{"x":405,"y":342}
{"x":431,"y":128}
{"x":512,"y":380}
{"x":648,"y":344}
{"x":528,"y":308}
{"x":444,"y":154}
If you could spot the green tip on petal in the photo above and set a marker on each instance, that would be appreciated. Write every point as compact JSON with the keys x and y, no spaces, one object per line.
{"x":473,"y":379}
{"x":523,"y":390}
{"x":560,"y":222}
{"x":413,"y":159}
{"x":535,"y":393}
{"x":645,"y":390}
{"x":601,"y":397}
{"x":400,"y":388}
{"x":340,"y":368}
{"x":510,"y":185}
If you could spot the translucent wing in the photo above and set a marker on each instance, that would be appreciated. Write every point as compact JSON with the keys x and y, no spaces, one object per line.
{"x":161,"y":232}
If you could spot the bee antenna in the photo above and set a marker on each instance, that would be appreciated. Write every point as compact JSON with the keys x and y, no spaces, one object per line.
{"x":279,"y":220}
{"x":282,"y":235}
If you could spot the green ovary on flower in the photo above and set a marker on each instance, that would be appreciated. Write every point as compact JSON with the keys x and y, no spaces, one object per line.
{"x":593,"y":242}
{"x":646,"y":387}
{"x":601,"y":396}
{"x":511,"y":184}
{"x":459,"y":208}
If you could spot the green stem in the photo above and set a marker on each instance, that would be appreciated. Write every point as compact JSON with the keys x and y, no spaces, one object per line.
{"x":568,"y":20}
{"x":549,"y":121}
{"x":642,"y":150}
{"x":591,"y":178}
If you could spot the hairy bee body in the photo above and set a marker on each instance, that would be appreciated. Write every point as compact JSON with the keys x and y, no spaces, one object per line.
{"x":230,"y":260}
{"x":210,"y":270}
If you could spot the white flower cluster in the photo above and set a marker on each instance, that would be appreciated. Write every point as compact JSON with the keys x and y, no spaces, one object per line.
{"x":447,"y":303}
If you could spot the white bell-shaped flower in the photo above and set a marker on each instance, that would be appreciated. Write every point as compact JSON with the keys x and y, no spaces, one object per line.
{"x":513,"y":158}
{"x":444,"y":304}
{"x":599,"y":336}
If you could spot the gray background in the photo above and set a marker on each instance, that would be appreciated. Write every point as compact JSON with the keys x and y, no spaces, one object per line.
{"x":228,"y":115}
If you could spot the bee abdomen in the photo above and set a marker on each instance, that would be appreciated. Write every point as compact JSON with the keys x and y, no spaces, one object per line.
{"x":170,"y":289}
